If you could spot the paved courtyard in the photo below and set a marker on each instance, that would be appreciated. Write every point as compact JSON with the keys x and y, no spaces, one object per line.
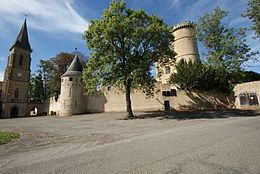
{"x":190,"y":142}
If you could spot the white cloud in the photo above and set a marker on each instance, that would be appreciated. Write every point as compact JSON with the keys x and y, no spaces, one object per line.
{"x":175,"y":3}
{"x":47,"y":15}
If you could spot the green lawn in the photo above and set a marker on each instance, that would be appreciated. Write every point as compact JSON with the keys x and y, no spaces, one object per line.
{"x":6,"y":137}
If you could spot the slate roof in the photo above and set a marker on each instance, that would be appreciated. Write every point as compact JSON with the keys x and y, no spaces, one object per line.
{"x":22,"y":40}
{"x":74,"y":69}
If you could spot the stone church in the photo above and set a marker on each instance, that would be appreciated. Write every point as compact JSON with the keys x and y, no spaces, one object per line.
{"x":14,"y":101}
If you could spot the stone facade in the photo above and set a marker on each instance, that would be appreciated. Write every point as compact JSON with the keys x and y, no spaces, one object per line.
{"x":247,"y":95}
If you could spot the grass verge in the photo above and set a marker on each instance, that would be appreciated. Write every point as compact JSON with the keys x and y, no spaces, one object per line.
{"x":6,"y":137}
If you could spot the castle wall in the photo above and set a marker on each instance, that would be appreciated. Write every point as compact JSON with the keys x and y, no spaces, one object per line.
{"x":140,"y":102}
{"x":113,"y":100}
{"x":54,"y":106}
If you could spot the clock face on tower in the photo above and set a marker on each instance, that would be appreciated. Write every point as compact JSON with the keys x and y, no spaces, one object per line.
{"x":19,"y":74}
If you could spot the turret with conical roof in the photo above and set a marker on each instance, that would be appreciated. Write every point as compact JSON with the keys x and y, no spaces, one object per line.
{"x":71,"y":97}
{"x":75,"y":68}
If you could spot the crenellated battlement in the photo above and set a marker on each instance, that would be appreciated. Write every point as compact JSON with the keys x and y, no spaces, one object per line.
{"x":186,"y":24}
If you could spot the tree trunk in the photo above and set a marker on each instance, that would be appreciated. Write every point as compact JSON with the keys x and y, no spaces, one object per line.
{"x":128,"y":99}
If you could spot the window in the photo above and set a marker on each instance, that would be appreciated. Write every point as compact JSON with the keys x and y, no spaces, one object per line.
{"x":253,"y":99}
{"x":70,"y":79}
{"x":173,"y":92}
{"x":164,"y":93}
{"x":167,"y":70}
{"x":21,"y":60}
{"x":243,"y":99}
{"x":248,"y":99}
{"x":16,"y":93}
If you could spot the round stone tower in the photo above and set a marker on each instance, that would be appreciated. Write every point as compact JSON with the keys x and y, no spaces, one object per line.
{"x":71,"y":97}
{"x":185,"y":47}
{"x":185,"y":42}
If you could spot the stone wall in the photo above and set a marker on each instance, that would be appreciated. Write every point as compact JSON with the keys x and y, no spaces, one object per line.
{"x":111,"y":99}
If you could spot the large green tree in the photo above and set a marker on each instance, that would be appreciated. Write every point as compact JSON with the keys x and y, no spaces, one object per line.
{"x":252,"y":12}
{"x":226,"y":47}
{"x":125,"y":45}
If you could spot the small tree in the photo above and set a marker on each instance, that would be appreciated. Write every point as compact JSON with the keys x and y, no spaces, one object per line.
{"x":252,"y":12}
{"x":125,"y":45}
{"x":36,"y":88}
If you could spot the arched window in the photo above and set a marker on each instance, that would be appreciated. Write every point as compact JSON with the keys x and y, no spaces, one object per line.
{"x":16,"y":93}
{"x":21,"y":60}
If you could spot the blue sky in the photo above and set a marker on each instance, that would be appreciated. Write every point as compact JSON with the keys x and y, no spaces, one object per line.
{"x":58,"y":25}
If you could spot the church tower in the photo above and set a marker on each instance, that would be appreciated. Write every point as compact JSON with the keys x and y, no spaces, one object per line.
{"x":17,"y":75}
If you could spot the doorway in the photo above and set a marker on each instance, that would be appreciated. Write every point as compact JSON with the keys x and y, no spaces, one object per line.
{"x":14,"y":112}
{"x":167,"y":106}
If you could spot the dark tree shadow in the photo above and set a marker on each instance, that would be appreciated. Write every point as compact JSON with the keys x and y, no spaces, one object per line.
{"x":185,"y":115}
{"x":205,"y":101}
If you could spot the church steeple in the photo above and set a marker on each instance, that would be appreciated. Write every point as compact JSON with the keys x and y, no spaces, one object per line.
{"x":22,"y":40}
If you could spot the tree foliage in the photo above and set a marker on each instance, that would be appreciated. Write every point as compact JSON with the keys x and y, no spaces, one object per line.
{"x":36,"y":91}
{"x":199,"y":76}
{"x":226,"y":46}
{"x":252,"y":12}
{"x":125,"y":45}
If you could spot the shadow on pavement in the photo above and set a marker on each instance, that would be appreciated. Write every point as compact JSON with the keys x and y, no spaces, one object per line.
{"x":184,"y":115}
